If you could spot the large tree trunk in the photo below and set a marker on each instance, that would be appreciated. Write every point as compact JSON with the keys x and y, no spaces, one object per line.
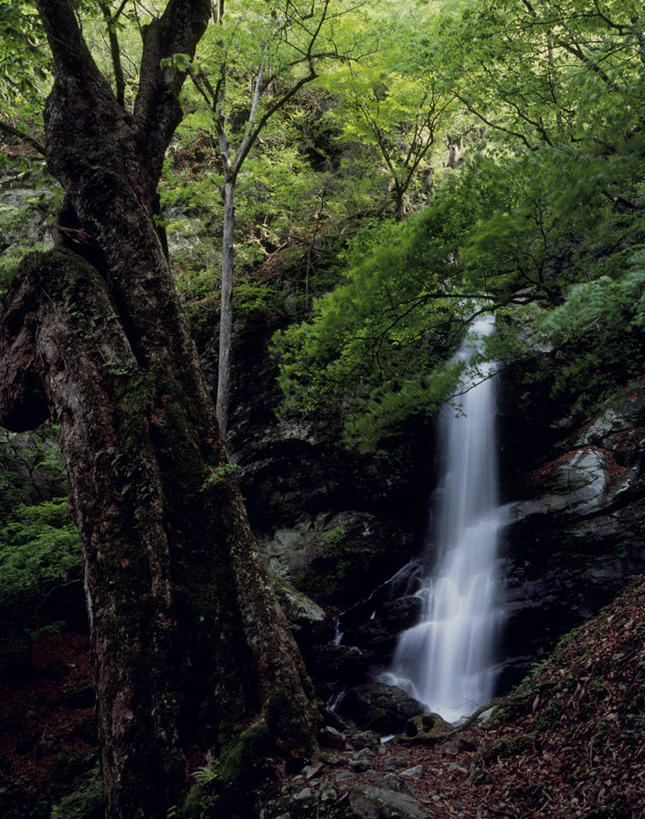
{"x":189,"y":641}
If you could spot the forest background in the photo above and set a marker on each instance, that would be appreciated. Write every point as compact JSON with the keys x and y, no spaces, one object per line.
{"x":393,"y":176}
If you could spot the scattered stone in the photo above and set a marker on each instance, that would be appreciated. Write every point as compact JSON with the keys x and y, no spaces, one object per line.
{"x":393,"y":782}
{"x":367,"y":802}
{"x":458,"y":745}
{"x":305,"y":793}
{"x":365,"y":739}
{"x":364,"y":753}
{"x":360,"y":765}
{"x":311,"y":770}
{"x":413,"y":773}
{"x":343,"y":776}
{"x":393,"y":763}
{"x":328,"y":794}
{"x":333,"y":760}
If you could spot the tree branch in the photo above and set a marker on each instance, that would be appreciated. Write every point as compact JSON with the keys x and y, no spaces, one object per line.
{"x":8,"y":129}
{"x":70,"y":53}
{"x":156,"y":108}
{"x":115,"y":51}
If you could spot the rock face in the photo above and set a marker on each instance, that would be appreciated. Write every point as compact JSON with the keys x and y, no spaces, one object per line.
{"x":335,"y":557}
{"x":575,"y":536}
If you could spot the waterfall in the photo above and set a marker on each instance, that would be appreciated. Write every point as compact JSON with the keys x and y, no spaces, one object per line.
{"x":447,"y":660}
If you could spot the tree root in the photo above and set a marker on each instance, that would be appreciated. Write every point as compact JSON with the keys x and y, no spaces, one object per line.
{"x":510,"y":701}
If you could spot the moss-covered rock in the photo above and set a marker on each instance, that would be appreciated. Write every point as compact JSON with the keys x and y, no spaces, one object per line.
{"x":426,"y":724}
{"x":305,"y":617}
{"x":324,"y":557}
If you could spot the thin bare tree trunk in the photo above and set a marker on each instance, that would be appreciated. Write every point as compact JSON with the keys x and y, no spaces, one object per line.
{"x":226,"y":308}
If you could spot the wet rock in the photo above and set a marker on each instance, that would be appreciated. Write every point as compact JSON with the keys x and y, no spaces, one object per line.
{"x":379,"y":707}
{"x":367,"y":802}
{"x":402,"y":613}
{"x":374,"y":622}
{"x":575,"y":538}
{"x":573,"y":486}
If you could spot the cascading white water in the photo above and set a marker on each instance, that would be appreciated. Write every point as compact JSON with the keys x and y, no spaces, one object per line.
{"x":446,"y":660}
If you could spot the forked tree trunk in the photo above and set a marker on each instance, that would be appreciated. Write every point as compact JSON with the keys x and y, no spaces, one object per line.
{"x":189,"y":642}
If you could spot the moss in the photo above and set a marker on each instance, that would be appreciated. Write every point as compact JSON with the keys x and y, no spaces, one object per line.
{"x":427,"y":724}
{"x":286,"y":722}
{"x":237,"y":778}
{"x":86,"y":801}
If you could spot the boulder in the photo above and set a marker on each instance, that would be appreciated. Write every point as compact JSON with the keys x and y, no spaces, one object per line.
{"x":305,"y":617}
{"x":368,"y":802}
{"x":379,"y":707}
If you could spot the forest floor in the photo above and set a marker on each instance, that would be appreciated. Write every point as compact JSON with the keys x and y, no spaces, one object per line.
{"x":570,"y":742}
{"x":47,"y":730}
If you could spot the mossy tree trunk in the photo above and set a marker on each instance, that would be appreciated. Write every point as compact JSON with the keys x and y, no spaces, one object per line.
{"x":189,"y":642}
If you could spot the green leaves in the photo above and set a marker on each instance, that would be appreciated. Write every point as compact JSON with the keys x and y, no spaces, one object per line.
{"x":182,"y":62}
{"x":39,"y":549}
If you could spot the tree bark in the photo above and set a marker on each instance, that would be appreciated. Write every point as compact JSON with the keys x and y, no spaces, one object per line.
{"x":226,"y":308}
{"x":189,"y":641}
